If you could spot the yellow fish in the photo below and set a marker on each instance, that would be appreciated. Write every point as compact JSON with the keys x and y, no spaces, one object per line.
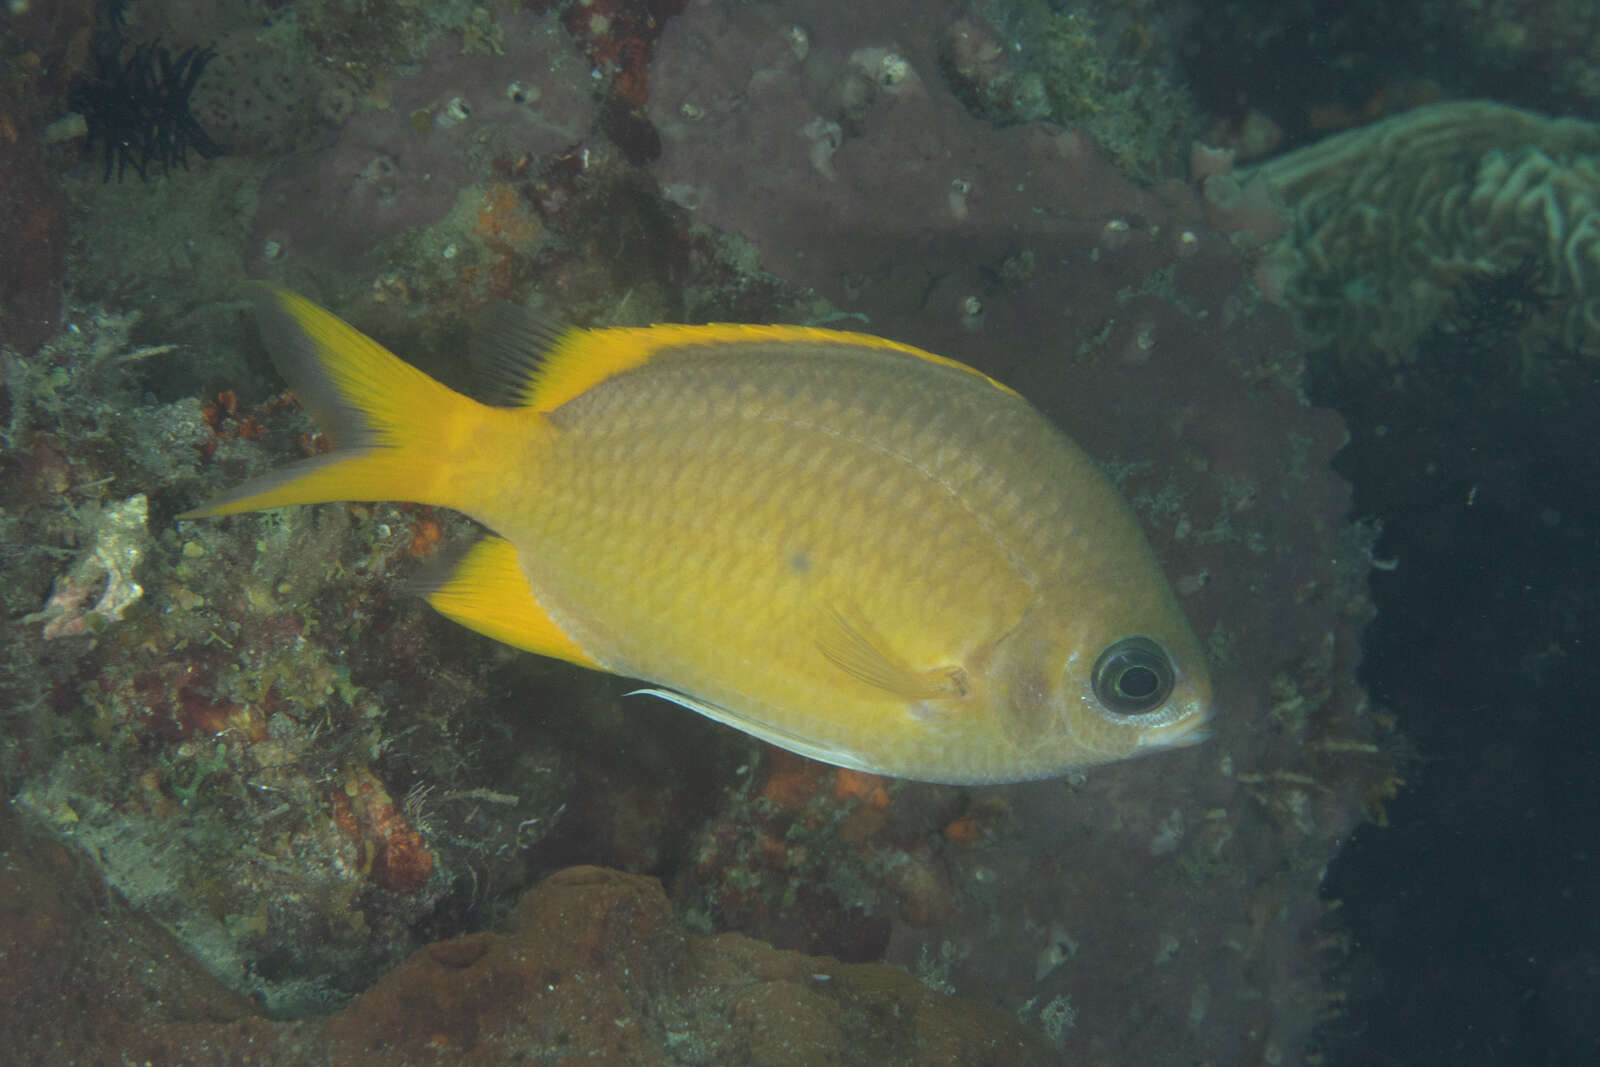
{"x":851,"y":548}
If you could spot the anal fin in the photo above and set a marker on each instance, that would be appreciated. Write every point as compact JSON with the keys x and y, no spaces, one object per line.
{"x":487,"y":591}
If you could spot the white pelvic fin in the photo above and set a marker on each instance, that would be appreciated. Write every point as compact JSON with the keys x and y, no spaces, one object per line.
{"x":762,"y":730}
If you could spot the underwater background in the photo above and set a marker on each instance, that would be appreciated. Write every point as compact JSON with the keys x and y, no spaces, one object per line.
{"x":1317,"y":283}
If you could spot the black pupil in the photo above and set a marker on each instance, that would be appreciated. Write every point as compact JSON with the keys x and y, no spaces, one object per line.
{"x":1138,"y":682}
{"x":1133,"y":676}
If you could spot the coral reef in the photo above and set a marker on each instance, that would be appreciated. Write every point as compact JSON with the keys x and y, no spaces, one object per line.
{"x":180,"y":696}
{"x":398,"y":183}
{"x":1098,"y":68}
{"x":1420,"y":205}
{"x":180,"y":244}
{"x":591,"y":965}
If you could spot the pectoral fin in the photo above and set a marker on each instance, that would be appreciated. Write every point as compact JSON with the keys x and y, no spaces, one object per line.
{"x":850,"y":644}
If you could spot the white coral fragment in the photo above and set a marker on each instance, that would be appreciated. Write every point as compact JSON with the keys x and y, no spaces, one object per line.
{"x":104,"y":574}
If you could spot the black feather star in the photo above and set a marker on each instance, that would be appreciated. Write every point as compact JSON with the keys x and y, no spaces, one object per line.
{"x":139,"y":108}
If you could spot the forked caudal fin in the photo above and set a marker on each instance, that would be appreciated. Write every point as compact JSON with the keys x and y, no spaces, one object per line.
{"x":397,"y":434}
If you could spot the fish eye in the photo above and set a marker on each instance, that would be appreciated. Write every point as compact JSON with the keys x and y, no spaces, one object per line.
{"x":1133,"y":676}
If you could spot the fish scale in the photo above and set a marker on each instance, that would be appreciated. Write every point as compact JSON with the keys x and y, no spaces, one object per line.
{"x":689,"y":492}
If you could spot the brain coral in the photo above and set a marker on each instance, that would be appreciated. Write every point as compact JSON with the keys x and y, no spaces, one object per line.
{"x":1388,"y":220}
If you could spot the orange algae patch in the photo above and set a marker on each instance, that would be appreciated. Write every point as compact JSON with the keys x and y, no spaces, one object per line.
{"x":791,"y":780}
{"x":870,"y":789}
{"x":962,"y":831}
{"x":388,"y":847}
{"x":504,"y":219}
{"x":426,"y":536}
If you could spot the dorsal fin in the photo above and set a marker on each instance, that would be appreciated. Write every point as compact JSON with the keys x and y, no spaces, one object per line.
{"x":576,"y":360}
{"x":509,"y":344}
{"x":536,"y":360}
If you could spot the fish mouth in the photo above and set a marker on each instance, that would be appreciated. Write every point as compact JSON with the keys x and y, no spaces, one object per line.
{"x":1195,"y":736}
{"x":1191,"y":729}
